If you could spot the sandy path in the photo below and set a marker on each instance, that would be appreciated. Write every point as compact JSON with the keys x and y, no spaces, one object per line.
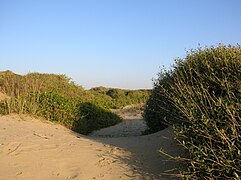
{"x":127,"y":128}
{"x":35,"y":149}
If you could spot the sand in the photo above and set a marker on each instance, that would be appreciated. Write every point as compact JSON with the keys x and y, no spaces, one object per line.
{"x":127,"y":128}
{"x":36,"y":149}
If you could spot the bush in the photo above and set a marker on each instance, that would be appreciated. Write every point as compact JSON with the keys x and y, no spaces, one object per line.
{"x":15,"y":85}
{"x":55,"y":98}
{"x":119,"y":98}
{"x":205,"y":89}
{"x":94,"y":117}
{"x":55,"y":107}
{"x":160,"y":110}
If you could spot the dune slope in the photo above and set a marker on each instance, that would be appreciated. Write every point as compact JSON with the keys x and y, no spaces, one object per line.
{"x":37,"y":149}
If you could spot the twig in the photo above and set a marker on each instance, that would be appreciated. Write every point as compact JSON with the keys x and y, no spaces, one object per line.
{"x":44,"y":137}
{"x":14,"y":149}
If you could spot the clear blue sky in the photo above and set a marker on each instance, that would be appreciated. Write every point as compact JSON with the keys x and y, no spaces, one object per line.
{"x":113,"y":43}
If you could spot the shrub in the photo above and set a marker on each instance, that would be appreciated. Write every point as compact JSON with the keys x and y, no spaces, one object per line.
{"x":94,"y":117}
{"x":57,"y":99}
{"x":55,"y":107}
{"x":119,"y":98}
{"x":160,"y":110}
{"x":14,"y":84}
{"x":205,"y":88}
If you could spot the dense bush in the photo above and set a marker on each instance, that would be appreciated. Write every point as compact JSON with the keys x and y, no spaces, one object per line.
{"x":119,"y":98}
{"x":57,"y":98}
{"x":160,"y":110}
{"x":55,"y":107}
{"x":15,"y":85}
{"x":205,"y":89}
{"x":94,"y":117}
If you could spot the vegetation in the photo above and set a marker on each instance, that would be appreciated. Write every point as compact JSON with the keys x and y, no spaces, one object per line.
{"x":118,"y":98}
{"x":58,"y":99}
{"x":159,"y":108}
{"x":201,"y":97}
{"x":92,"y":117}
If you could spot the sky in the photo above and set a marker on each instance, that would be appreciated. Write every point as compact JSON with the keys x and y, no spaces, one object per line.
{"x":111,"y":43}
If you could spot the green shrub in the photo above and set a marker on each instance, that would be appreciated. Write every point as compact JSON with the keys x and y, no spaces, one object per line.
{"x":55,"y":107}
{"x":119,"y":98}
{"x":57,"y":98}
{"x":205,"y":88}
{"x":94,"y":117}
{"x":16,"y":85}
{"x":115,"y":93}
{"x":160,"y":110}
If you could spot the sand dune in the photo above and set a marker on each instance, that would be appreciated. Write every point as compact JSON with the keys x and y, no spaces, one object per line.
{"x":36,"y":149}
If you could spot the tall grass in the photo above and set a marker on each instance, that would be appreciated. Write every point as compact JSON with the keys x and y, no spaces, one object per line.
{"x":205,"y":91}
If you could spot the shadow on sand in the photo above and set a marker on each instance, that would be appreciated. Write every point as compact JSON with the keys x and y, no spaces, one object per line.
{"x":144,"y":158}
